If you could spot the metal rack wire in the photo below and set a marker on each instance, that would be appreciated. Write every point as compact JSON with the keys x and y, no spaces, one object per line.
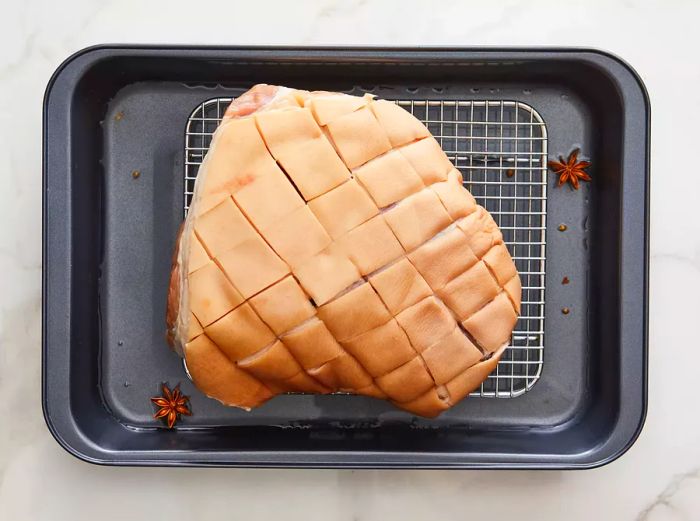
{"x":501,"y":149}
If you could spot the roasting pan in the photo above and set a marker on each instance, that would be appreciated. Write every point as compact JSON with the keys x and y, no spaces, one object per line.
{"x":124,"y":131}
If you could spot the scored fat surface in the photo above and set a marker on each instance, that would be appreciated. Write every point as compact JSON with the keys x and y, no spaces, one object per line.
{"x":330,"y":246}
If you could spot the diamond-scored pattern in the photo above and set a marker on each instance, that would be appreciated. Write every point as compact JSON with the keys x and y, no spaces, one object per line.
{"x":433,"y":222}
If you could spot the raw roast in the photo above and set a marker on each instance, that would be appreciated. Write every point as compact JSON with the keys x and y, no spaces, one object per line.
{"x":330,"y":246}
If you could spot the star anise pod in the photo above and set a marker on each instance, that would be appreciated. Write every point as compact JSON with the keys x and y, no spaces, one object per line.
{"x":171,"y":405}
{"x":570,"y":170}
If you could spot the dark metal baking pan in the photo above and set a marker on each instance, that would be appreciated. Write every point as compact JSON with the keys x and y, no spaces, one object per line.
{"x":113,"y":110}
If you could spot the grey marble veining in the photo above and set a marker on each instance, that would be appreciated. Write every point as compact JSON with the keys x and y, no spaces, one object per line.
{"x":656,"y":480}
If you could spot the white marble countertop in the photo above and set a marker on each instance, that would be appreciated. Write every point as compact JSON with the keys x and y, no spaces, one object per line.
{"x":659,"y":478}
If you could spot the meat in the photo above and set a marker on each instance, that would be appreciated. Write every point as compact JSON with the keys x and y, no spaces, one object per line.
{"x":330,"y":246}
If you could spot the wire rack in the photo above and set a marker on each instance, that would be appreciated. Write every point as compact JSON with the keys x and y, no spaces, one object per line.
{"x":501,"y":149}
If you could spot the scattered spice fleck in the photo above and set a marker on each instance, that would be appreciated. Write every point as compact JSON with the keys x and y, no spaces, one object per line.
{"x":171,"y":405}
{"x":135,"y":174}
{"x":562,"y":227}
{"x":565,"y":280}
{"x":510,"y":172}
{"x":565,"y":311}
{"x":571,"y":170}
{"x":118,"y":116}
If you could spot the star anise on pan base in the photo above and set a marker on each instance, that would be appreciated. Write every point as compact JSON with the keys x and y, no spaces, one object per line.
{"x":171,"y":405}
{"x":570,"y":170}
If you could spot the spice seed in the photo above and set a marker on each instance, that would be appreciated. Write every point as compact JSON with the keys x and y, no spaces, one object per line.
{"x":135,"y":174}
{"x":562,"y":227}
{"x":565,"y":311}
{"x":565,"y":280}
{"x":510,"y":172}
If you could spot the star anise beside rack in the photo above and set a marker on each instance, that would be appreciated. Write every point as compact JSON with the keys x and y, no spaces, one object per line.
{"x":570,"y":170}
{"x":171,"y":405}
